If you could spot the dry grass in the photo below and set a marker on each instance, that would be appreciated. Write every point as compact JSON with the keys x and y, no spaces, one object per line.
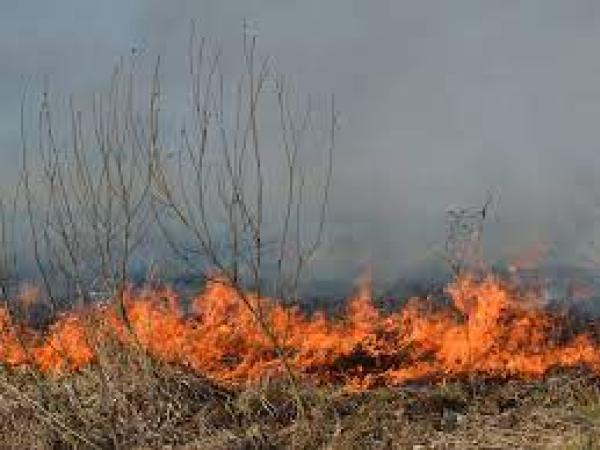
{"x":130,"y":401}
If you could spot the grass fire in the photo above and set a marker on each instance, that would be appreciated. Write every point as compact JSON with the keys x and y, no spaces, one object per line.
{"x":181,"y":235}
{"x":487,"y":350}
{"x":487,"y":330}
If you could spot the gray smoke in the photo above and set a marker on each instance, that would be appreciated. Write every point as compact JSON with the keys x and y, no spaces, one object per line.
{"x":440,"y":102}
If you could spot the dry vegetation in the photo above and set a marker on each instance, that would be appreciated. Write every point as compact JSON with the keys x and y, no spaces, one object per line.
{"x":128,"y":401}
{"x":90,"y":205}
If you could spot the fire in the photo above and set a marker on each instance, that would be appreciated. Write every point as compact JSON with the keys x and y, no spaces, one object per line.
{"x":487,"y":329}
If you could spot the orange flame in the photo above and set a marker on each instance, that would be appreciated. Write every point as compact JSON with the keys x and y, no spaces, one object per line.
{"x":488,"y":329}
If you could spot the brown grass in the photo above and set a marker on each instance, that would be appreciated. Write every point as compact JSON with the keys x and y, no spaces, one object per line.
{"x":129,"y":401}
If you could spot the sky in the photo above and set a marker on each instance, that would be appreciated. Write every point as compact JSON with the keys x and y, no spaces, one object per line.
{"x":439,"y":102}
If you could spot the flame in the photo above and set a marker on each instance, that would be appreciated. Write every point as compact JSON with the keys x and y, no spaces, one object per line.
{"x":487,"y":329}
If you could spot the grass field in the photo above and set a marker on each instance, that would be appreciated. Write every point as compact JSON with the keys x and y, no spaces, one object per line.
{"x":128,"y":400}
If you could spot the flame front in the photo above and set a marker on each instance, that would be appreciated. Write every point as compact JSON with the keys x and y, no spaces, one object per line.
{"x":488,"y":329}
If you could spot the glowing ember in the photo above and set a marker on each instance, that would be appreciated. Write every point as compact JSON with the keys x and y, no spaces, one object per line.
{"x":488,"y":330}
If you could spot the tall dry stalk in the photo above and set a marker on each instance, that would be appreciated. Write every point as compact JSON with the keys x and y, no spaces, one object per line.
{"x":245,"y":219}
{"x":8,"y":251}
{"x":220,"y":199}
{"x":464,"y":233}
{"x":87,"y":194}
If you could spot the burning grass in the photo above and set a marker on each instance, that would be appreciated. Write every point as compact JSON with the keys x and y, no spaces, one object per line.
{"x":489,"y":368}
{"x":488,"y":329}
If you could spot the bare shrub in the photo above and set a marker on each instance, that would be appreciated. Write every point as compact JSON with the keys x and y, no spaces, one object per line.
{"x":86,"y":195}
{"x":246,"y":219}
{"x":464,"y":231}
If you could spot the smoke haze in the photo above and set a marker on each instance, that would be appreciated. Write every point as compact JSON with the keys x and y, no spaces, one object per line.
{"x":440,"y":101}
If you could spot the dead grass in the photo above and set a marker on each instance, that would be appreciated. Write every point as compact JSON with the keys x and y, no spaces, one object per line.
{"x":129,"y":401}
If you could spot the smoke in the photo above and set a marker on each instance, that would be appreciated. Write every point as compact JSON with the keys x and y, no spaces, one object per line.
{"x":439,"y":101}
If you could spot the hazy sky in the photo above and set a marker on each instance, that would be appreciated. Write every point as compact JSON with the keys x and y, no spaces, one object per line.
{"x":440,"y":100}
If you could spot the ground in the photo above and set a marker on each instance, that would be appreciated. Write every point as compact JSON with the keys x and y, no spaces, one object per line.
{"x":133,"y":402}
